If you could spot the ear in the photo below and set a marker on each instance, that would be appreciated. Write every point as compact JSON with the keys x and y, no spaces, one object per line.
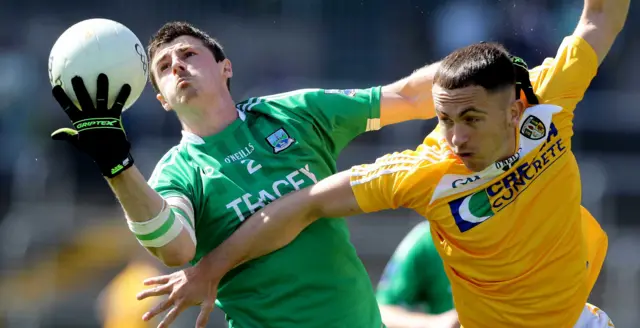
{"x":227,"y":69}
{"x":164,"y":104}
{"x":515,"y":111}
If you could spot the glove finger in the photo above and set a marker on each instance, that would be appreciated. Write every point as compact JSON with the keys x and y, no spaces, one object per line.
{"x":67,"y":105}
{"x":519,"y":62}
{"x":124,"y":93}
{"x":523,"y":84}
{"x":66,"y":134}
{"x":102,"y":93}
{"x":84,"y":99}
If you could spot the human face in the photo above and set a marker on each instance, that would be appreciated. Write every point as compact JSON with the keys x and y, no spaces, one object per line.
{"x":188,"y":75}
{"x":480,"y":127}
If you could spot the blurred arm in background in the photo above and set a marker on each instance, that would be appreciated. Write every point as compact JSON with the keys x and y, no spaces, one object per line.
{"x":414,"y":290}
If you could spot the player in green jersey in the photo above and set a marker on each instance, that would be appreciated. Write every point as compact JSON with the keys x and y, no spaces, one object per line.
{"x":233,"y":159}
{"x":414,"y":290}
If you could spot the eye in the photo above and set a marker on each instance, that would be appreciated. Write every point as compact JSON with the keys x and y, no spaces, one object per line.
{"x":446,"y":121}
{"x":163,"y":67}
{"x":472,"y":120}
{"x":189,"y":54}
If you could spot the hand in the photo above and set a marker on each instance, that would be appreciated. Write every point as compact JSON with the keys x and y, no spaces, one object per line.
{"x":189,"y":287}
{"x":99,"y":131}
{"x":449,"y":319}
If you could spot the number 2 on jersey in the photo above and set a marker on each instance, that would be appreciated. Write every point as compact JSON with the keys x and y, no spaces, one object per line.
{"x":251,"y":165}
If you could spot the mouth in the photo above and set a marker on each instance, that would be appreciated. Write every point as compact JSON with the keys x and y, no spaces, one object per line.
{"x":182,"y":82}
{"x":464,"y":155}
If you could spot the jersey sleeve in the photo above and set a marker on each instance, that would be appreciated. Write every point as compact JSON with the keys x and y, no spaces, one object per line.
{"x":405,"y":179}
{"x":173,"y":180}
{"x":340,"y":115}
{"x":414,"y":276}
{"x":563,"y":80}
{"x":346,"y":113}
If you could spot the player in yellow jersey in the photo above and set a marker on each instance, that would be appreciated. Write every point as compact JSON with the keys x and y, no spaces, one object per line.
{"x":497,"y":180}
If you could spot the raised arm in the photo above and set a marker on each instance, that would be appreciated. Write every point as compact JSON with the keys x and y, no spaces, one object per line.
{"x":409,"y":98}
{"x":159,"y":223}
{"x":601,"y":22}
{"x":99,"y":133}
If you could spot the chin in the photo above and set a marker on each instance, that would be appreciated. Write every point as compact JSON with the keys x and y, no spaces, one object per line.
{"x":474,"y":165}
{"x":188,"y":97}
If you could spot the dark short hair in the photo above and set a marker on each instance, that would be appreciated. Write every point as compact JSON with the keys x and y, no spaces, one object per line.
{"x":482,"y":64}
{"x":173,"y":30}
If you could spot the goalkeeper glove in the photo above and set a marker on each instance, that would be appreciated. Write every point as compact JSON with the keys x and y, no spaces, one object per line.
{"x":523,"y":83}
{"x":98,"y":129}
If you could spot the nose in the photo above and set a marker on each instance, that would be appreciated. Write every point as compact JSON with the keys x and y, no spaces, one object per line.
{"x":177,"y":66}
{"x":460,"y":136}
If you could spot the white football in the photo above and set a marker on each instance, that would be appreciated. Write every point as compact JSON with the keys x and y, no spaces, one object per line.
{"x":95,"y":46}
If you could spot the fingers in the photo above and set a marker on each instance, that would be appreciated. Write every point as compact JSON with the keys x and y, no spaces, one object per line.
{"x":156,"y":291}
{"x":161,"y":307}
{"x":157,"y":280}
{"x":121,"y":99}
{"x":102,"y":92}
{"x":66,"y":134}
{"x":171,"y":316}
{"x":205,"y":311}
{"x":84,"y":99}
{"x":65,"y":102}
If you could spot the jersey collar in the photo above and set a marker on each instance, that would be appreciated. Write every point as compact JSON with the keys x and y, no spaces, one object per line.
{"x":192,"y":138}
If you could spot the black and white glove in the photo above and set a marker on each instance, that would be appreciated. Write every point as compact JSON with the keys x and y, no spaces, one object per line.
{"x":98,"y":129}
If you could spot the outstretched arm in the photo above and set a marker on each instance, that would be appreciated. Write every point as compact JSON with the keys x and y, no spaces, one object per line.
{"x":390,"y":182}
{"x":409,"y":98}
{"x":272,"y":228}
{"x":394,"y":180}
{"x":601,"y":22}
{"x":281,"y":222}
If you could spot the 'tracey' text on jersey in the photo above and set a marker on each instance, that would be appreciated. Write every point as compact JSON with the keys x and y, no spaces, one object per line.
{"x":252,"y":202}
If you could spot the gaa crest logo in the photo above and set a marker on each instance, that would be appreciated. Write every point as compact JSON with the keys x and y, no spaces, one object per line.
{"x":533,"y":128}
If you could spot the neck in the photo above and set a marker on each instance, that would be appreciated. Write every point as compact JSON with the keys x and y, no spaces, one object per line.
{"x":210,"y":119}
{"x":512,"y":146}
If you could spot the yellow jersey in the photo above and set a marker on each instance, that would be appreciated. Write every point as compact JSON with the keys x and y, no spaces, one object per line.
{"x":511,"y":236}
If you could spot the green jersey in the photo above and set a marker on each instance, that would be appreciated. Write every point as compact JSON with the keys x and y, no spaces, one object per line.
{"x":279,"y":144}
{"x":414,"y":278}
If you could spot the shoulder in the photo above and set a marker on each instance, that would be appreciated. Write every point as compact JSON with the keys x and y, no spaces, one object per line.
{"x":175,"y":162}
{"x":306,"y":93}
{"x":410,"y":166}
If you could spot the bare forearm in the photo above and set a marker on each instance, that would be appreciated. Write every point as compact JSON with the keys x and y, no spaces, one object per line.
{"x":601,"y":22}
{"x":139,"y":201}
{"x":409,"y":98}
{"x":142,"y":204}
{"x":398,"y":317}
{"x":280,"y":222}
{"x":415,"y":85}
{"x":616,"y":10}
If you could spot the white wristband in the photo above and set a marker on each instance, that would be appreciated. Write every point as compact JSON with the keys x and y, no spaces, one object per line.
{"x":158,"y":231}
